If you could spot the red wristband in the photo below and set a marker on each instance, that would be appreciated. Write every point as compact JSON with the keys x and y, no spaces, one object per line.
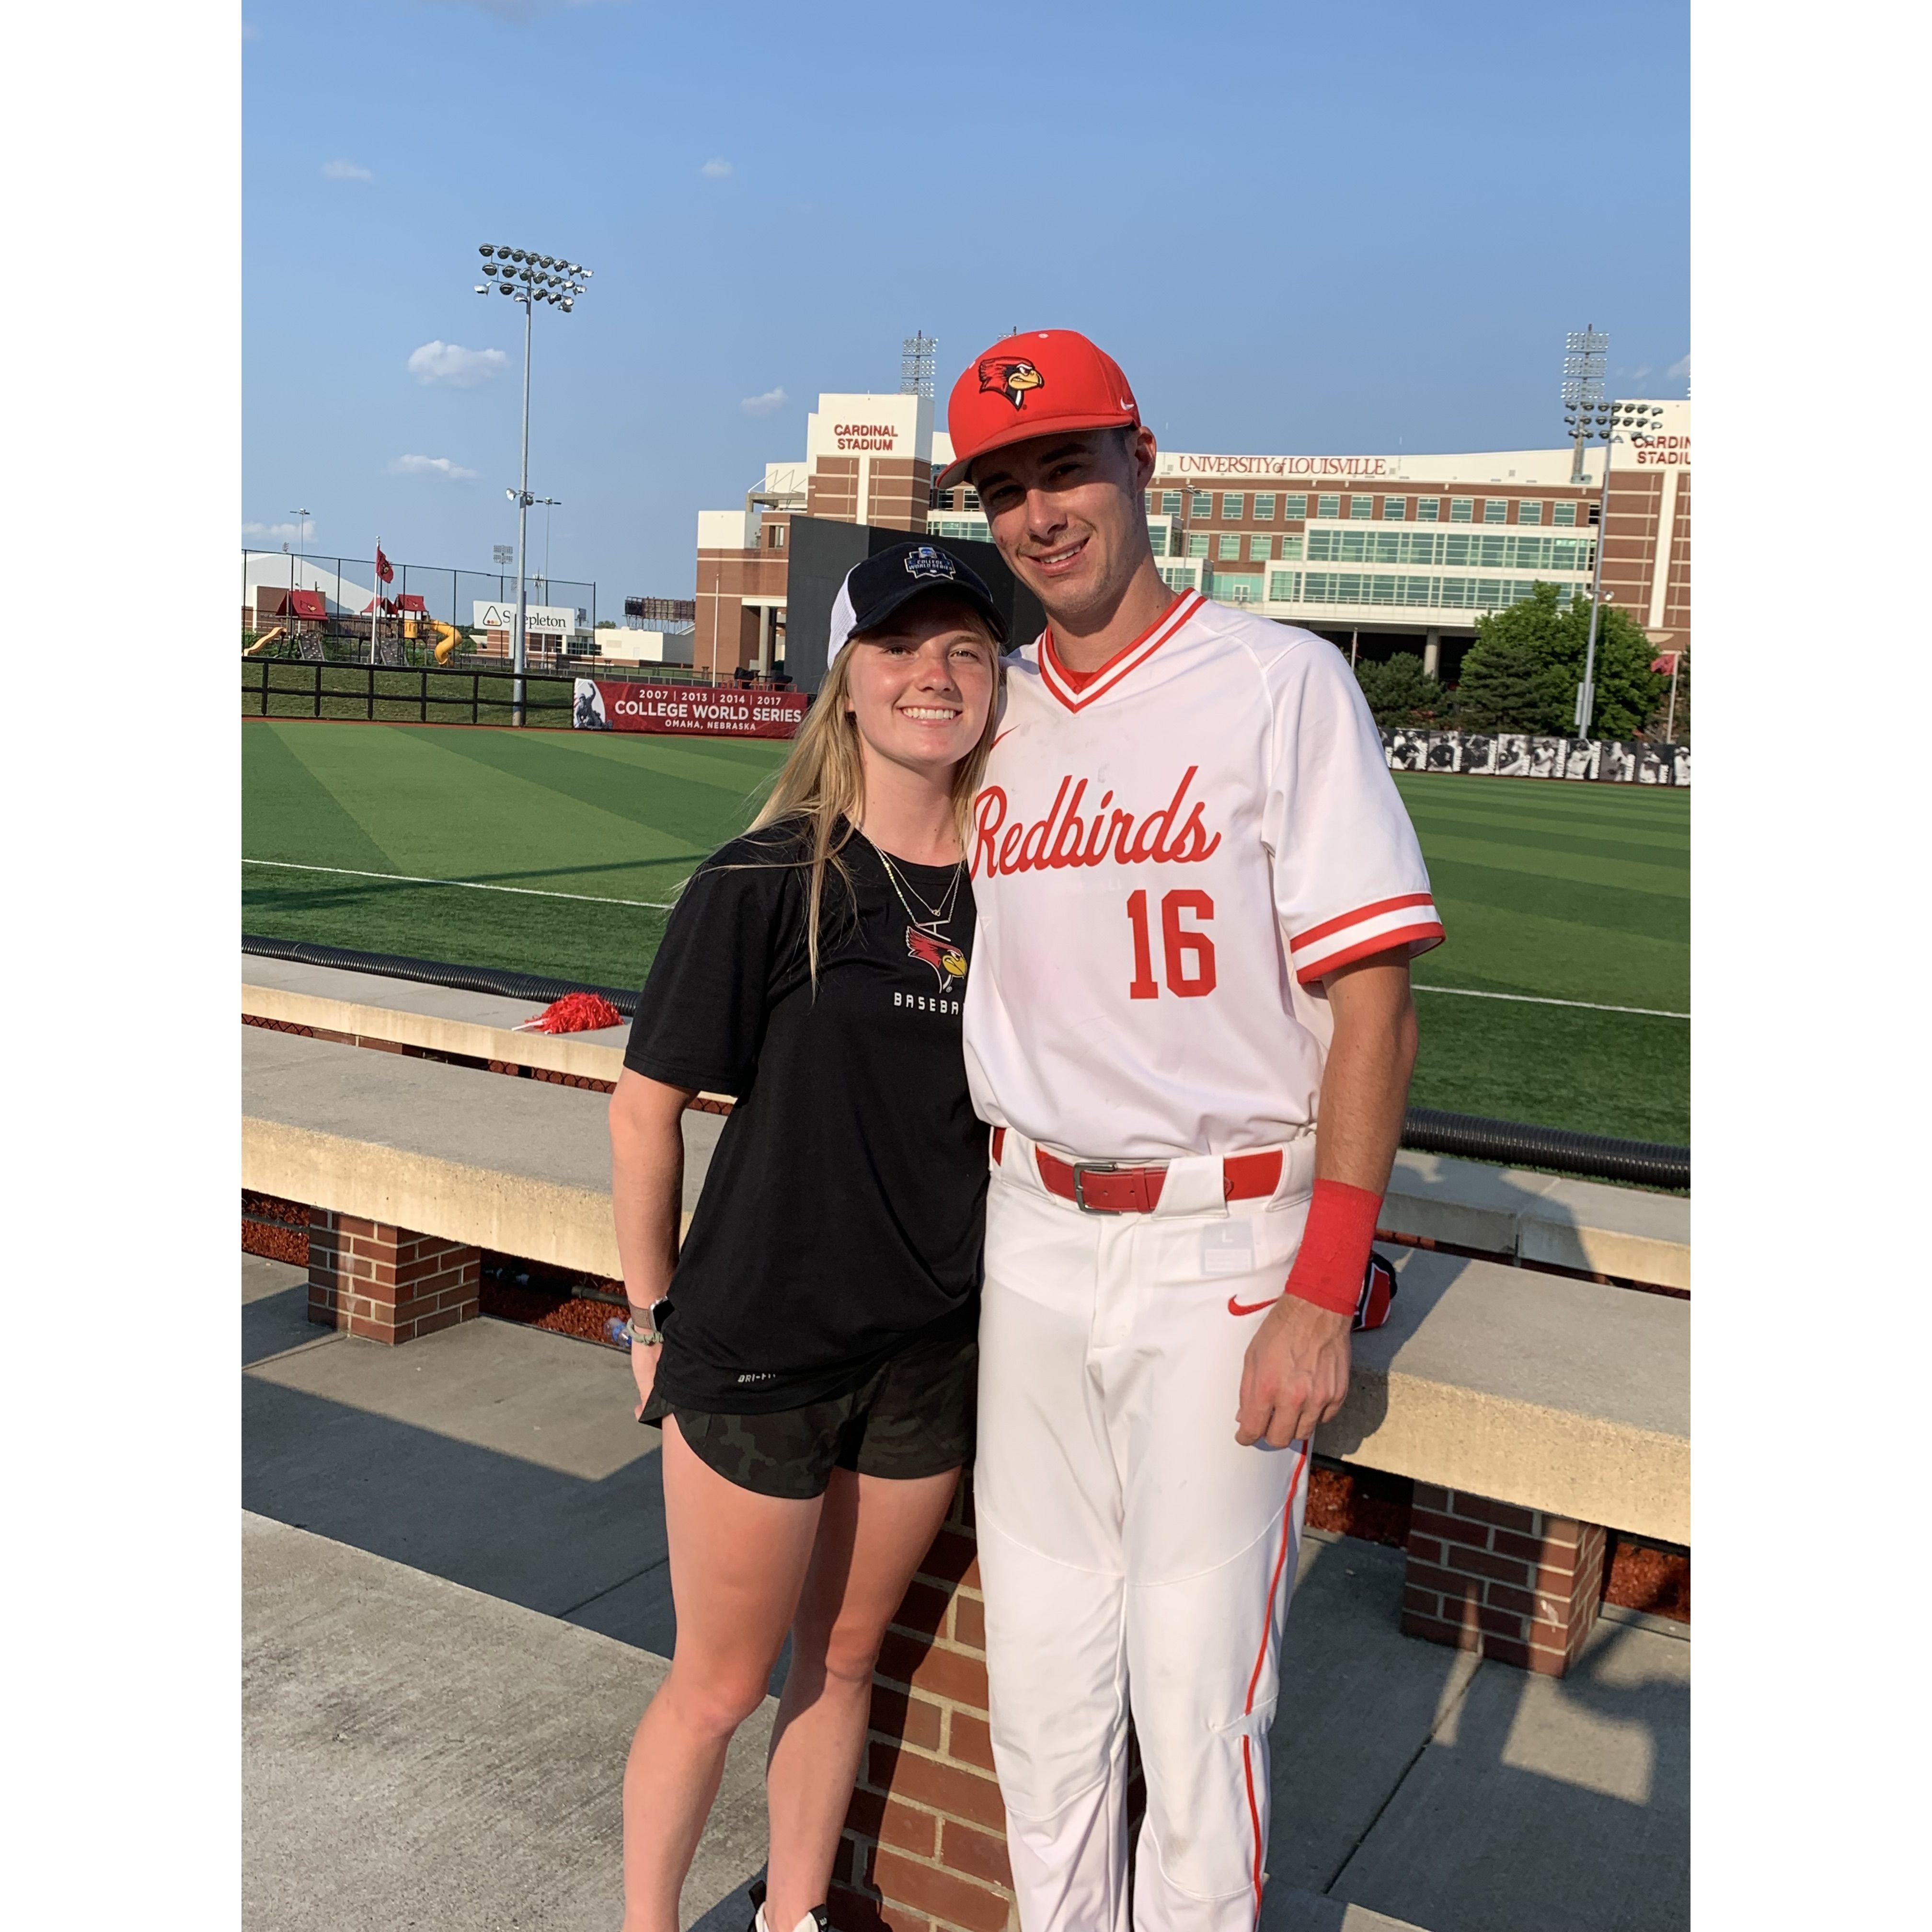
{"x":1334,"y":1253}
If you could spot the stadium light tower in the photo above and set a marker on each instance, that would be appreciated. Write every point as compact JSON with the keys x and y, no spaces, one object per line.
{"x":1608,"y":423}
{"x":1586,"y":352}
{"x":528,"y":277}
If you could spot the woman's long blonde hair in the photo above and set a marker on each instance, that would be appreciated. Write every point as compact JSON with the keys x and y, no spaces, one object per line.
{"x":824,"y":781}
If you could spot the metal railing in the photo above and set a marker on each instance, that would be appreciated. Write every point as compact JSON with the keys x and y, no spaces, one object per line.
{"x":287,"y":688}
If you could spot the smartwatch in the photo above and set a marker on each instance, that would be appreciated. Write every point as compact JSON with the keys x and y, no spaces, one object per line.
{"x":645,"y":1326}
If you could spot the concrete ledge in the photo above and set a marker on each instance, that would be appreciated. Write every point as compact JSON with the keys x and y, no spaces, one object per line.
{"x":1565,"y":1396}
{"x":1537,"y":1218}
{"x":1542,"y":1219}
{"x":437,"y":1019}
{"x":521,"y":1166}
{"x":1284,"y":1908}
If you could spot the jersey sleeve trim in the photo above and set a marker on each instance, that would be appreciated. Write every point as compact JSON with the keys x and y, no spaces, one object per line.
{"x":1407,"y":922}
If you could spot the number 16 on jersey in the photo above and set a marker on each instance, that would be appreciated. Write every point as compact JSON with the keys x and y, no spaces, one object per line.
{"x":1187,"y":955}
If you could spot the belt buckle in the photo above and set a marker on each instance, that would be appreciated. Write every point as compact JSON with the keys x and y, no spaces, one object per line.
{"x":1082,"y":1169}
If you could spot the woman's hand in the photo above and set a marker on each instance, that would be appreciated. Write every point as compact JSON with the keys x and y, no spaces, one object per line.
{"x":644,"y":1373}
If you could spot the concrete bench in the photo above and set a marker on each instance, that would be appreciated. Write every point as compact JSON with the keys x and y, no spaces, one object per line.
{"x":1530,"y":1410}
{"x":1539,"y":1220}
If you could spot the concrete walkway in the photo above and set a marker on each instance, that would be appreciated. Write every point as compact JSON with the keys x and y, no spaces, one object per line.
{"x":457,"y":1606}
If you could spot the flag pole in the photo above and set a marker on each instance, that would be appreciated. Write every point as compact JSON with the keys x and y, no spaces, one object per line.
{"x":1670,"y":724}
{"x":375,"y":597}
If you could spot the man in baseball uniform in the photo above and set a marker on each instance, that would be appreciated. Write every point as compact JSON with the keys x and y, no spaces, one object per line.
{"x":1189,"y":1026}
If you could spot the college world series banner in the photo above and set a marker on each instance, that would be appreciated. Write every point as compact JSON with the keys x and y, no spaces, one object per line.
{"x":725,"y":712}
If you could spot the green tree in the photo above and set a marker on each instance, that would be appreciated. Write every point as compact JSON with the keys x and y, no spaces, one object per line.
{"x":1522,"y":671}
{"x":1400,"y":690}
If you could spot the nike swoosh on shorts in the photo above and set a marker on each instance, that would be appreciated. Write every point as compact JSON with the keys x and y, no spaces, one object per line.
{"x":1250,"y":1307}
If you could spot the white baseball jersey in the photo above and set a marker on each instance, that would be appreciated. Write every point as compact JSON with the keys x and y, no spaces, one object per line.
{"x":1167,"y":858}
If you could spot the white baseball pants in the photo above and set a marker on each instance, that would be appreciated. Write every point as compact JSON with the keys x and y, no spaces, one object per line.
{"x":1132,"y":1555}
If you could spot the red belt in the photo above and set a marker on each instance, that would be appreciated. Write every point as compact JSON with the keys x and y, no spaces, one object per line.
{"x":1114,"y":1187}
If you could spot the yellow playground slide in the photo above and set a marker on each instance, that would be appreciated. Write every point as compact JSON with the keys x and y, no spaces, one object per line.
{"x":448,"y":639}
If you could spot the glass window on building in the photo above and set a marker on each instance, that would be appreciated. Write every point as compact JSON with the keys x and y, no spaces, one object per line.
{"x":1359,"y":507}
{"x":1170,"y":502}
{"x":1284,"y":586}
{"x":1264,"y":506}
{"x":1258,"y":548}
{"x":1529,"y":513}
{"x":1200,"y":503}
{"x":1495,"y":510}
{"x":1157,"y":536}
{"x":1328,"y":506}
{"x":1152,"y":505}
{"x":1462,"y":510}
{"x":1197,"y":543}
{"x":1291,"y":548}
{"x":1293,"y":508}
{"x":1394,"y":509}
{"x":1232,"y":507}
{"x":1231,"y":544}
{"x":1243,"y":590}
{"x":1428,"y":509}
{"x":1564,"y":514}
{"x":971,"y":500}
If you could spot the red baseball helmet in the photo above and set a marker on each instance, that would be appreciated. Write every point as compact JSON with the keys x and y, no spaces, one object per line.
{"x":1033,"y":384}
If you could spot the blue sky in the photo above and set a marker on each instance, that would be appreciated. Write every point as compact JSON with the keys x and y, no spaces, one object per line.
{"x":1298,"y":228}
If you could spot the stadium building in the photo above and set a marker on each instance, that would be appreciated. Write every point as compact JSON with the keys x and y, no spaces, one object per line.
{"x":1381,"y":553}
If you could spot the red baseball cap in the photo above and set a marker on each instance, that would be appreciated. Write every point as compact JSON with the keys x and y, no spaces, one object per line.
{"x":1033,"y":384}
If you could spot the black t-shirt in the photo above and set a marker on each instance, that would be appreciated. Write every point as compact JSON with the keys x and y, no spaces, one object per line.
{"x":841,"y":1219}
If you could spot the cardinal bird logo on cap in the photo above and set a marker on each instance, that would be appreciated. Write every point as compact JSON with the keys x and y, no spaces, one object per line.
{"x":1003,"y":375}
{"x":946,"y":959}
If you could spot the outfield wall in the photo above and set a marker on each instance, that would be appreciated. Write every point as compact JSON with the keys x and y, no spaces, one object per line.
{"x":1513,"y":755}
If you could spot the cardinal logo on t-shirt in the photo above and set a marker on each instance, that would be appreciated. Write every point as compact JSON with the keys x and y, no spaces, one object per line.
{"x":945,"y":958}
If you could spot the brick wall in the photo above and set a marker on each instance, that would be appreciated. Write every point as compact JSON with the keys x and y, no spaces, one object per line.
{"x":925,"y":1844}
{"x":1520,"y":1585}
{"x":387,"y":1283}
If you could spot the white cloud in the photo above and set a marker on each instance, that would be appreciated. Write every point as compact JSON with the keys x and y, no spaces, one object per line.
{"x":346,"y":171}
{"x":430,"y":465}
{"x":1682,"y":368}
{"x":280,"y":532}
{"x":770,"y":402}
{"x":450,"y":362}
{"x":1641,"y":370}
{"x":715,"y":170}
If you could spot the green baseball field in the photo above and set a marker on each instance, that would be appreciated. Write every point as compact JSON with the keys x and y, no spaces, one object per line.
{"x":1562,"y":996}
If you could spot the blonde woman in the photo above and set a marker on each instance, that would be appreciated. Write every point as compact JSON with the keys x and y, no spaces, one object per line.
{"x":811,"y":1350}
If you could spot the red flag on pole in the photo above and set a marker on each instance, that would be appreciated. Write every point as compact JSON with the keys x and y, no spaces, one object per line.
{"x":1667,"y":663}
{"x":385,"y":569}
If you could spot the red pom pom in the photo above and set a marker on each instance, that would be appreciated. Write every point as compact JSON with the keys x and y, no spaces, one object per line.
{"x":576,"y":1012}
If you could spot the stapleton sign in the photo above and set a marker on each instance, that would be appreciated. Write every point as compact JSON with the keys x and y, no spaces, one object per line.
{"x":696,"y":709}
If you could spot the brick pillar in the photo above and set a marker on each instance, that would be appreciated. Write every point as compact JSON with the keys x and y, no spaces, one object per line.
{"x":924,"y":1845}
{"x":387,"y":1283}
{"x":1518,"y":1585}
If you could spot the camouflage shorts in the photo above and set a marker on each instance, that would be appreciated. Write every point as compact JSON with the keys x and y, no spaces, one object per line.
{"x":912,"y":1417}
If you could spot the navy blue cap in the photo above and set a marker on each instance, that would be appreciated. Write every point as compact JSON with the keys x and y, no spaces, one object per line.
{"x":873,"y":590}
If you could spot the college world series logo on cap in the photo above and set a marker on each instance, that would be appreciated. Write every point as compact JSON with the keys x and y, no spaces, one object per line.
{"x":1035,"y":383}
{"x":922,"y":560}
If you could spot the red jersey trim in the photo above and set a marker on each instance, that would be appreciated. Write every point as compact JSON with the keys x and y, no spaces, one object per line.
{"x":1128,"y":659}
{"x":1416,"y":938}
{"x":1342,"y":920}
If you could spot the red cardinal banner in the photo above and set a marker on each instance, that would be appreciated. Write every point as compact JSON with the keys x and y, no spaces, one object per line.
{"x":385,"y":569}
{"x":1666,"y":663}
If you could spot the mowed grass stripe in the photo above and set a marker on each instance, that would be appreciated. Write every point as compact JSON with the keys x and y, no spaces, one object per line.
{"x":685,"y":805}
{"x":1511,"y":950}
{"x":438,"y":813}
{"x":1548,"y":794}
{"x":290,"y":813}
{"x":1573,"y":868}
{"x":1586,"y":832}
